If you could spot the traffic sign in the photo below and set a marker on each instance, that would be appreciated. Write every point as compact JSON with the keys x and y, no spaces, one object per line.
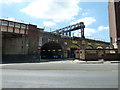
{"x":39,"y":48}
{"x":78,"y":48}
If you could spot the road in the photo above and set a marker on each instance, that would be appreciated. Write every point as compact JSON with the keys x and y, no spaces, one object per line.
{"x":60,"y":75}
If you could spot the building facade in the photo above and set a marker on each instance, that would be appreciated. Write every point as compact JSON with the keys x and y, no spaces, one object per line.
{"x":18,"y":39}
{"x":114,"y":23}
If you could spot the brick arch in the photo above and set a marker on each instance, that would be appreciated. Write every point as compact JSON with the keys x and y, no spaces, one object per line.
{"x":51,"y":50}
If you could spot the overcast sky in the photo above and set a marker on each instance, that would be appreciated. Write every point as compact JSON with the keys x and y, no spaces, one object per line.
{"x":55,"y":14}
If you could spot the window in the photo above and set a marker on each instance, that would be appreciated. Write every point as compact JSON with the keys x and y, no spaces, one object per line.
{"x":11,"y":24}
{"x":23,"y":26}
{"x":17,"y":25}
{"x":4,"y":23}
{"x":27,"y":26}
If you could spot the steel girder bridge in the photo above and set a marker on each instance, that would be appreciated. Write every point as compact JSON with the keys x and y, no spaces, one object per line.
{"x":67,"y":30}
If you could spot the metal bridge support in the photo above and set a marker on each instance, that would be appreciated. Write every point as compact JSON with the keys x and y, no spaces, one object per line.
{"x":69,"y":33}
{"x":71,"y":28}
{"x":63,"y":34}
{"x":66,"y":33}
{"x":82,"y":29}
{"x":82,"y":33}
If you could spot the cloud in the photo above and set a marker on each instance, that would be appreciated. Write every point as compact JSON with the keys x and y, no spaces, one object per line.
{"x":100,"y":28}
{"x":49,"y":23}
{"x":87,"y":32}
{"x":87,"y":21}
{"x":85,"y":13}
{"x":55,"y":10}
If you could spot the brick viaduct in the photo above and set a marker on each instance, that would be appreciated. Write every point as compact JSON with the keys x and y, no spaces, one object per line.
{"x":25,"y":45}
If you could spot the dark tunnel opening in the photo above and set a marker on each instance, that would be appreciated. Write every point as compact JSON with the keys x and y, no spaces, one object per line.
{"x":51,"y":50}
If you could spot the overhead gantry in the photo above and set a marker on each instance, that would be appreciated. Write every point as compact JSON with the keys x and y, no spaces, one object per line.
{"x":67,"y":30}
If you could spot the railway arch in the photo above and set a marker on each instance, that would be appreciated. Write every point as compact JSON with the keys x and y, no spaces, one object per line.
{"x":51,"y":50}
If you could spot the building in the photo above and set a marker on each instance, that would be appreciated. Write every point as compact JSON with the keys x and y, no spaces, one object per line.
{"x":114,"y":23}
{"x":18,"y":39}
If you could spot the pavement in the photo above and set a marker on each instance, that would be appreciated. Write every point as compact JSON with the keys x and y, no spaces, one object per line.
{"x":62,"y":65}
{"x":70,"y":61}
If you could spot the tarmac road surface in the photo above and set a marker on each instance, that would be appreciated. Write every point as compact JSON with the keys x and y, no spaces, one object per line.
{"x":60,"y":75}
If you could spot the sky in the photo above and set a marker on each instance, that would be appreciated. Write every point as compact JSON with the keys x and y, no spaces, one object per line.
{"x":56,"y":14}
